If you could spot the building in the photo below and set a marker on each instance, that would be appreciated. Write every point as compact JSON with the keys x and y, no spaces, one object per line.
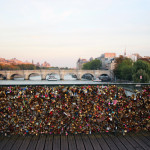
{"x":15,"y":61}
{"x":80,"y":63}
{"x":12,"y":61}
{"x":107,"y":60}
{"x":134,"y":57}
{"x":46,"y":64}
{"x":111,"y":64}
{"x":109,"y":55}
{"x":38,"y":64}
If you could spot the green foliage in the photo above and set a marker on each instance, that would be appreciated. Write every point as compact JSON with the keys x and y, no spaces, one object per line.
{"x":27,"y":67}
{"x":92,"y":65}
{"x":141,"y":68}
{"x":19,"y":67}
{"x":140,"y":64}
{"x":119,"y":59}
{"x":145,"y":76}
{"x":54,"y":68}
{"x":87,"y":66}
{"x":117,"y":70}
{"x":127,"y":70}
{"x":123,"y":69}
{"x":8,"y":67}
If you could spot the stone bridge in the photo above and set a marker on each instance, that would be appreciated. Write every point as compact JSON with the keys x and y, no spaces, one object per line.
{"x":9,"y":75}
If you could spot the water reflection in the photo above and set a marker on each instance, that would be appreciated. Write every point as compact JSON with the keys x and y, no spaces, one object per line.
{"x":19,"y":79}
{"x":38,"y":77}
{"x":35,"y":78}
{"x":70,"y":77}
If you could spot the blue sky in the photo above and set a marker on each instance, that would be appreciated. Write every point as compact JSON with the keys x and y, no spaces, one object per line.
{"x":61,"y":31}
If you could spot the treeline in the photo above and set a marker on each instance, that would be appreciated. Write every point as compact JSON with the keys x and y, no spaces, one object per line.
{"x":28,"y":67}
{"x":126,"y":69}
{"x":19,"y":67}
{"x":92,"y":65}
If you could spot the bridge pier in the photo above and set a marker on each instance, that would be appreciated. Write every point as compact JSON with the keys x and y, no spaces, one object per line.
{"x":26,"y":77}
{"x":78,"y":77}
{"x":43,"y":77}
{"x":8,"y":76}
{"x":61,"y":77}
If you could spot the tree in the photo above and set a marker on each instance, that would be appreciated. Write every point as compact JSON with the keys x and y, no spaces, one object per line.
{"x":123,"y":68}
{"x":141,"y":76}
{"x":141,"y":68}
{"x":18,"y":67}
{"x":141,"y":64}
{"x":27,"y":67}
{"x":86,"y":66}
{"x":126,"y":72}
{"x":117,"y":70}
{"x":118,"y":60}
{"x":92,"y":65}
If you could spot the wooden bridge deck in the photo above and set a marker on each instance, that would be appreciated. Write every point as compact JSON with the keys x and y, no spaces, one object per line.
{"x":104,"y":141}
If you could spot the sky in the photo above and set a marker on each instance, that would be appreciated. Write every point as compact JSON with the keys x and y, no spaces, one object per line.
{"x":62,"y":31}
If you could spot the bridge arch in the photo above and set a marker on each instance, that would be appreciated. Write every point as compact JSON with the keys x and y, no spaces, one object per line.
{"x":105,"y":77}
{"x":13,"y":76}
{"x":87,"y":76}
{"x":31,"y":75}
{"x":104,"y":74}
{"x":2,"y":77}
{"x":61,"y":73}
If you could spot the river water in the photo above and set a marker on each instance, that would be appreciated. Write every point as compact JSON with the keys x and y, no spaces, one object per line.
{"x":36,"y":80}
{"x":45,"y":82}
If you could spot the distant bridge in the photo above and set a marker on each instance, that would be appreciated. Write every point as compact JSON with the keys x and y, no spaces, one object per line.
{"x":10,"y":74}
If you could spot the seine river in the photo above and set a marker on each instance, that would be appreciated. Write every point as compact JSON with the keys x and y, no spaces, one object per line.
{"x":67,"y":81}
{"x":37,"y":81}
{"x":45,"y":82}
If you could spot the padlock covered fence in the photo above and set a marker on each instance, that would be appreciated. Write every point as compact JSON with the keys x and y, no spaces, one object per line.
{"x":73,"y":109}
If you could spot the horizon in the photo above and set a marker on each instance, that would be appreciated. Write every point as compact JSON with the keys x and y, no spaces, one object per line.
{"x":27,"y":61}
{"x":61,"y":32}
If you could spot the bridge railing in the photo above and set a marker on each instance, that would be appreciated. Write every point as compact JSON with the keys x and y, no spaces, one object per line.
{"x":84,"y":109}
